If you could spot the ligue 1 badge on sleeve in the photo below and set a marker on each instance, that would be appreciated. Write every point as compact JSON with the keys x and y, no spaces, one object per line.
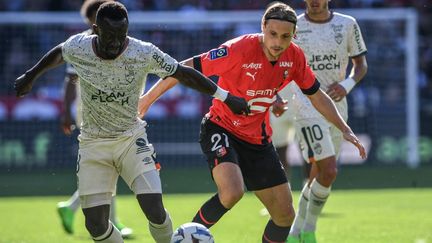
{"x":218,"y":53}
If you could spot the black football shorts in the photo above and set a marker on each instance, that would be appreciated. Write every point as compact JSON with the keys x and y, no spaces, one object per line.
{"x":259,"y":164}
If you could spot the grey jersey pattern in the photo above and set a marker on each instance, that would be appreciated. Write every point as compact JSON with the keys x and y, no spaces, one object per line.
{"x":328,"y":47}
{"x":110,"y":89}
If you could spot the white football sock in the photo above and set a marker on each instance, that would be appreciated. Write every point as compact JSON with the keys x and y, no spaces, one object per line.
{"x":112,"y":235}
{"x":162,"y":233}
{"x":297,"y":225}
{"x":113,"y":213}
{"x":74,"y":201}
{"x":317,"y":198}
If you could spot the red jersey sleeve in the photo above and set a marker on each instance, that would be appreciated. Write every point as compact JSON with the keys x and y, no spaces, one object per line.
{"x":219,"y":60}
{"x":303,"y":74}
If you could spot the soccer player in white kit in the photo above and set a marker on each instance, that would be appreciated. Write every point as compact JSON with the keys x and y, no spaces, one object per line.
{"x":329,"y":40}
{"x":112,"y":68}
{"x":67,"y":209}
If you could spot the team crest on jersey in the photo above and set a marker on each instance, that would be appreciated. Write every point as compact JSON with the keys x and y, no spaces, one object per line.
{"x":218,"y":53}
{"x":285,"y":74}
{"x":317,"y":148}
{"x":337,"y":29}
{"x":338,"y":38}
{"x":130,"y":75}
{"x":221,"y":152}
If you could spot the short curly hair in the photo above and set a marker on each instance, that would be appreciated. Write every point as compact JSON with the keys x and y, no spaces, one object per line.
{"x":111,"y":10}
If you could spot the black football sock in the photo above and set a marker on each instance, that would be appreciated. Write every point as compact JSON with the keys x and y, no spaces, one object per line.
{"x":210,"y":212}
{"x":274,"y":233}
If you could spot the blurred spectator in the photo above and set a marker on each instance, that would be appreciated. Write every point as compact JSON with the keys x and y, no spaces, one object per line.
{"x":3,"y":112}
{"x":35,"y":108}
{"x":19,"y":47}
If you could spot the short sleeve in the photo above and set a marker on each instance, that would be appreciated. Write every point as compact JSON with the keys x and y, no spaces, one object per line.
{"x":356,"y":44}
{"x":71,"y":45}
{"x":161,"y":64}
{"x":66,"y":49}
{"x":219,"y":60}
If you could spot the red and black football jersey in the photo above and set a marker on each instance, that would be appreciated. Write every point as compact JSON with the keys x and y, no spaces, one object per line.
{"x":244,"y":71}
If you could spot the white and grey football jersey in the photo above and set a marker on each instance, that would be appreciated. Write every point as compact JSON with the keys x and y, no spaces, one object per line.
{"x":328,"y":47}
{"x":110,"y":89}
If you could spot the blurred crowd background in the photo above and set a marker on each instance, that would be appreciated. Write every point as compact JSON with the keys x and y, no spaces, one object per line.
{"x":15,"y":54}
{"x":377,"y":105}
{"x":30,"y":138}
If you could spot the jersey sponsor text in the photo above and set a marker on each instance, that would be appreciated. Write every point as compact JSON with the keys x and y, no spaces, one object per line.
{"x":252,"y":65}
{"x":266,"y":92}
{"x":111,"y":97}
{"x":162,"y":64}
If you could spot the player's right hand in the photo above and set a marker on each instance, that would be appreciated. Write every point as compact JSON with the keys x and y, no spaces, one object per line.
{"x":237,"y":105}
{"x":67,"y":124}
{"x":23,"y":85}
{"x":279,"y":106}
{"x":143,"y":105}
{"x":352,"y":138}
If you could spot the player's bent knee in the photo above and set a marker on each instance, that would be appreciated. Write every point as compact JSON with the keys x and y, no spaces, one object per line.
{"x":97,"y":219}
{"x":231,"y":197}
{"x":285,"y":217}
{"x":96,"y":228}
{"x":152,"y":206}
{"x":329,"y":175}
{"x":156,"y":216}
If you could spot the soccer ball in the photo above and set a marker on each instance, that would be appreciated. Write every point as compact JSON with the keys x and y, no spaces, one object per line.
{"x":192,"y":233}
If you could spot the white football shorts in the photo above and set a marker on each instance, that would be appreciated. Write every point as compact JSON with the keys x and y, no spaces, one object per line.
{"x":318,"y":139}
{"x":102,"y":160}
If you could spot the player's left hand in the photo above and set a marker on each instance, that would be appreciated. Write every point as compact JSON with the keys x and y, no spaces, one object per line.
{"x":336,"y":92}
{"x":143,"y":105}
{"x":237,"y":105}
{"x":352,"y":138}
{"x":23,"y":85}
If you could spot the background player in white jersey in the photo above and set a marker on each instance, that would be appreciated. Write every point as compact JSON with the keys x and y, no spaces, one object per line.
{"x":112,"y":68}
{"x":283,"y":124}
{"x":329,"y":41}
{"x":67,"y":209}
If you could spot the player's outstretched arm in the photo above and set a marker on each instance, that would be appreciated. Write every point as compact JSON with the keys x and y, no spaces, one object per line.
{"x":24,"y":83}
{"x":322,"y":102}
{"x":68,"y":99}
{"x":158,"y":89}
{"x":195,"y":80}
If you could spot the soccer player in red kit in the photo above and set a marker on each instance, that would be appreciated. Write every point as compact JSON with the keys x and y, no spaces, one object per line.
{"x":238,"y":147}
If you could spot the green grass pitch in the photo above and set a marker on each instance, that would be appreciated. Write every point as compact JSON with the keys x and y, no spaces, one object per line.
{"x":350,"y":216}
